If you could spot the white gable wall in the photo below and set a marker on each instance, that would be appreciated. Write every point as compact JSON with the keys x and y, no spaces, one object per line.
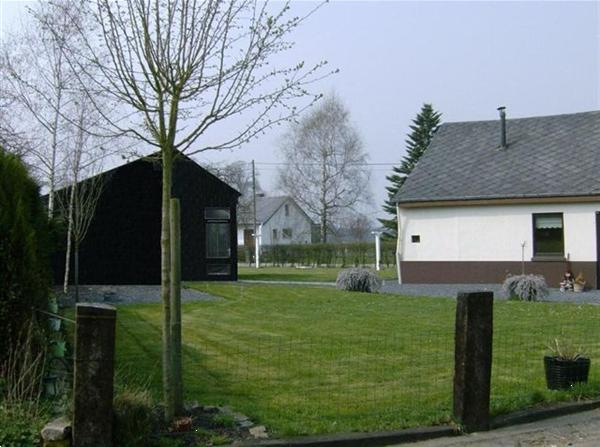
{"x":492,"y":233}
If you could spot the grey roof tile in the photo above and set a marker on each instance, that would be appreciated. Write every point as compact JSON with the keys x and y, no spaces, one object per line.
{"x":550,"y":156}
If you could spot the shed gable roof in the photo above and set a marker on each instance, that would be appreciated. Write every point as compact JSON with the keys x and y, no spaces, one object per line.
{"x":550,"y":156}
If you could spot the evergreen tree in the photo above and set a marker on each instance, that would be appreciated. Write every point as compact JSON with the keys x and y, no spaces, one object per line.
{"x":422,"y":130}
{"x":24,"y":249}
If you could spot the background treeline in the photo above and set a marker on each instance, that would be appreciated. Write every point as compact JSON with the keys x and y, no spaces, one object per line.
{"x":328,"y":255}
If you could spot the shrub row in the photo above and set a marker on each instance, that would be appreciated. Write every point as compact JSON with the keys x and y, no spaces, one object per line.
{"x":344,"y":255}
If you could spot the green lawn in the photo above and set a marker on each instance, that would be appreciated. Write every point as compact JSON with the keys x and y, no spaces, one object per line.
{"x":320,"y":274}
{"x":314,"y":360}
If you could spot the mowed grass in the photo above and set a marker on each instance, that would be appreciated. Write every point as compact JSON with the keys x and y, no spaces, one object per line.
{"x":303,"y":274}
{"x":305,"y":360}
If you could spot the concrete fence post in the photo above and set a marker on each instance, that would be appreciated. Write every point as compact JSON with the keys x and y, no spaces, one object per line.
{"x":473,"y":360}
{"x":93,"y":376}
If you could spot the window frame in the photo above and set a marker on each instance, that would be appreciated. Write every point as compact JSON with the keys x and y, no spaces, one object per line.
{"x":547,"y":256}
{"x":286,"y":236}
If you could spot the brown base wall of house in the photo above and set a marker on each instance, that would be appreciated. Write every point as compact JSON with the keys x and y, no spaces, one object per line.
{"x":488,"y":272}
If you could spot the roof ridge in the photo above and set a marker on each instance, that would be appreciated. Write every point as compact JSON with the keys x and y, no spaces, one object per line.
{"x":523,"y":118}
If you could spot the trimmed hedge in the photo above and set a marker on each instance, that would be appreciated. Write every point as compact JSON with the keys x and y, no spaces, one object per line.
{"x":24,"y":249}
{"x":344,"y":255}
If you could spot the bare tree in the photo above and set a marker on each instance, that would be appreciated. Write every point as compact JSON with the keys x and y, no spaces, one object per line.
{"x":238,"y":175}
{"x":37,"y":79}
{"x":358,"y":227}
{"x":78,"y":200}
{"x":325,"y":165}
{"x":180,"y":67}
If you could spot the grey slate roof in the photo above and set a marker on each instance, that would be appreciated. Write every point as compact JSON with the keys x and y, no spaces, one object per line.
{"x":549,"y":156}
{"x":265,"y":208}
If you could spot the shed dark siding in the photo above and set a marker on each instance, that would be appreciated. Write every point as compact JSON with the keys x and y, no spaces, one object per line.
{"x":122,"y":245}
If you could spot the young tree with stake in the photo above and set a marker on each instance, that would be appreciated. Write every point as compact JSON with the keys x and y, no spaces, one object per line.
{"x":180,"y":67}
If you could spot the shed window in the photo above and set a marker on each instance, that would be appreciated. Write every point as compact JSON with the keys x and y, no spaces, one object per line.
{"x":274,"y":233}
{"x":415,"y":238}
{"x":548,"y":235}
{"x":287,"y":209}
{"x":286,"y":233}
{"x":216,"y":214}
{"x":218,"y":240}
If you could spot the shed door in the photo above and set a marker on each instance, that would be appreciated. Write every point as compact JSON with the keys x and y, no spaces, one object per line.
{"x":218,"y":242}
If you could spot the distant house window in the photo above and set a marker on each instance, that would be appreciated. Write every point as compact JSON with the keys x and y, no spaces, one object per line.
{"x":286,"y":233}
{"x":548,"y":235}
{"x":274,"y":233}
{"x":287,"y":210}
{"x":415,"y":238}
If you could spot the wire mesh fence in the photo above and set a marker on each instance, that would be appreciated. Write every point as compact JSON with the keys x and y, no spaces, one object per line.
{"x":518,"y":370}
{"x":315,"y":385}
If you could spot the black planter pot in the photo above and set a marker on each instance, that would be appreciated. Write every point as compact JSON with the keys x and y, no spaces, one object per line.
{"x":561,"y":374}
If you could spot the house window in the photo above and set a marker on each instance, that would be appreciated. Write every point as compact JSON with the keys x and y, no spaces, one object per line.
{"x":415,"y":238}
{"x":548,"y":235}
{"x":286,"y":233}
{"x":287,"y":210}
{"x":274,"y":233}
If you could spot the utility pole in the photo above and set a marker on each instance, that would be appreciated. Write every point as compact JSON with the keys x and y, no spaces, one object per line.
{"x":256,"y":240}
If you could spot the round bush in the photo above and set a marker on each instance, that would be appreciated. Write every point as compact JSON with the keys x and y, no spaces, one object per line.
{"x":525,"y":287}
{"x":358,"y":280}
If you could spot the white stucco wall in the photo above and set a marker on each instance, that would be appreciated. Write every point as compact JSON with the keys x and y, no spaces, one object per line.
{"x":492,"y":233}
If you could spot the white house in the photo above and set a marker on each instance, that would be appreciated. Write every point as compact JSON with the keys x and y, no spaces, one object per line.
{"x":491,"y":197}
{"x":280,"y":221}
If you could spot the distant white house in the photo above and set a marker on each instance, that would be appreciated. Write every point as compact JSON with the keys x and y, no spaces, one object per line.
{"x":280,"y":221}
{"x":490,"y":197}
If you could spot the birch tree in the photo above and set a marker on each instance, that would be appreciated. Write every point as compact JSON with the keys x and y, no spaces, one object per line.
{"x":325,"y":164}
{"x":178,"y":68}
{"x":36,"y":80}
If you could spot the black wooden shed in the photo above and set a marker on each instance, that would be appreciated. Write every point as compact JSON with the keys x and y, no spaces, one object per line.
{"x":122,"y":245}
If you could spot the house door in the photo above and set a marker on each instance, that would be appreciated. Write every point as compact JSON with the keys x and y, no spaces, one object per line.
{"x":249,"y":238}
{"x":598,"y":250}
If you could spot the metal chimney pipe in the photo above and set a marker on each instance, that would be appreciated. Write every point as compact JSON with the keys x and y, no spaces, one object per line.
{"x":502,"y":111}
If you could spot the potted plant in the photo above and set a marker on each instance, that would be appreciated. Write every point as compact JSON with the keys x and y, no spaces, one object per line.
{"x":579,"y":284}
{"x":565,"y":366}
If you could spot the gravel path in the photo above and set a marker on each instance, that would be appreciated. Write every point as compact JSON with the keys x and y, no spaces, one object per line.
{"x":577,"y":430}
{"x":127,"y":295}
{"x":450,"y":290}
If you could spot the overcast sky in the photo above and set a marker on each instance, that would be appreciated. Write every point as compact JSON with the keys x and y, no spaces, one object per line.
{"x":466,"y":58}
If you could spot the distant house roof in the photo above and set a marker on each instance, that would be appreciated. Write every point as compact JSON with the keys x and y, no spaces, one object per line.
{"x":266,"y":207}
{"x":549,"y":156}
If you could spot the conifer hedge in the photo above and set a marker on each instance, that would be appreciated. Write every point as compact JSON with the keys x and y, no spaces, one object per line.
{"x":24,"y":249}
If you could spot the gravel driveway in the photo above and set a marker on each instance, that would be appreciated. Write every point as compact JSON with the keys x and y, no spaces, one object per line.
{"x":127,"y":295}
{"x":450,"y":290}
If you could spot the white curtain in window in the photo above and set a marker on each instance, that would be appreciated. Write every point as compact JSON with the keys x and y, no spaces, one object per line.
{"x":548,"y":222}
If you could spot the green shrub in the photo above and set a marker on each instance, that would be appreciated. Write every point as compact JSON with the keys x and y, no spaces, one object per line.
{"x":24,"y":249}
{"x":344,"y":255}
{"x":19,"y":427}
{"x":135,"y":419}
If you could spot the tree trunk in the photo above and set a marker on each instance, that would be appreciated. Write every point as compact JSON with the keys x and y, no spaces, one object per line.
{"x":76,"y":271}
{"x":165,"y":283}
{"x":69,"y":238}
{"x":176,"y":306}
